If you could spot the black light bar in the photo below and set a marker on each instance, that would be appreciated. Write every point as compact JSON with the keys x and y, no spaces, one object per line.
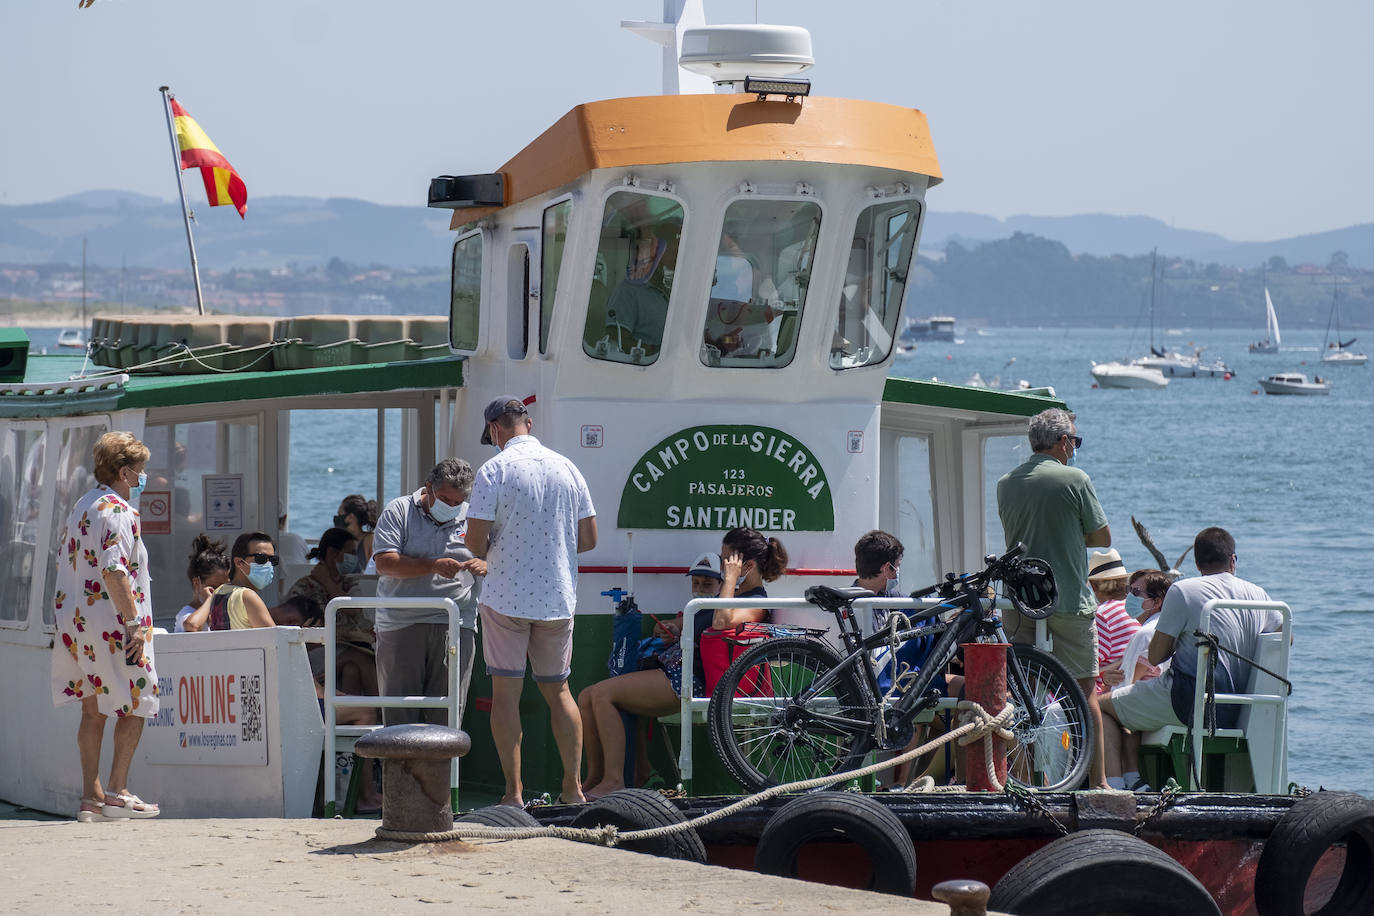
{"x":459,"y":192}
{"x":790,"y":90}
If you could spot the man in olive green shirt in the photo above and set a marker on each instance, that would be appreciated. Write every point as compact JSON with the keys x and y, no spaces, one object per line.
{"x":1052,"y":508}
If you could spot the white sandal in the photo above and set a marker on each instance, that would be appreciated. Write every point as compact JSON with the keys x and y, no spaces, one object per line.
{"x":91,"y":811}
{"x":131,"y":807}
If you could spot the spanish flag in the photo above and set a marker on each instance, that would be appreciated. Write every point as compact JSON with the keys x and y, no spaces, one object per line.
{"x":222,"y":184}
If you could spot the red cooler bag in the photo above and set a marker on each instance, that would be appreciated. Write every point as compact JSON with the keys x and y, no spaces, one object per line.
{"x":719,"y":648}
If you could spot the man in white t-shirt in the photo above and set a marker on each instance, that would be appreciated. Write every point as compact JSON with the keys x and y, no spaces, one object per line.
{"x":530,"y":516}
{"x":1168,"y":699}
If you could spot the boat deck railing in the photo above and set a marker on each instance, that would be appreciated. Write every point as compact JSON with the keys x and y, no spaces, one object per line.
{"x":342,"y":737}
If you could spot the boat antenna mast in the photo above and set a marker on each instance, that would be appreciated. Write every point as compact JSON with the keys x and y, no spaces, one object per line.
{"x":186,"y":214}
{"x":1154,"y":252}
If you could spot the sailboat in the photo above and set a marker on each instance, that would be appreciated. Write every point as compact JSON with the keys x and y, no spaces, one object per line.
{"x":1174,"y":364}
{"x":1271,"y":341}
{"x":1336,"y":352}
{"x":75,"y":338}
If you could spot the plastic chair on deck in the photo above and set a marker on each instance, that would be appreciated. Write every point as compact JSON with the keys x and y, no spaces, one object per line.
{"x":1253,"y":756}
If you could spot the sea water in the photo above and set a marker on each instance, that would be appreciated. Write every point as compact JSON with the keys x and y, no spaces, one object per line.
{"x":1286,"y":475}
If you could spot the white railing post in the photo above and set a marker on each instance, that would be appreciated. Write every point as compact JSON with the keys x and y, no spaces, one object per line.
{"x":450,"y":702}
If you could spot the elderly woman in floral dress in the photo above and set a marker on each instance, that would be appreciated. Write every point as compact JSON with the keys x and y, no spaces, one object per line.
{"x":103,"y":653}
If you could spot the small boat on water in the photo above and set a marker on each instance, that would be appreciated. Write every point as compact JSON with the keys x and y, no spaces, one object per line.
{"x":1337,"y":352}
{"x":1173,"y":363}
{"x":72,"y":339}
{"x":936,"y":327}
{"x":1294,"y":383}
{"x":1127,"y":375}
{"x":1271,"y":341}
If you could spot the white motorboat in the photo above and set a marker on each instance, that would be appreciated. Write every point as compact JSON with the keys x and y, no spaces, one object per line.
{"x":1337,"y":352}
{"x":72,"y":338}
{"x":1126,"y":375}
{"x":1271,"y":341}
{"x":1294,"y":383}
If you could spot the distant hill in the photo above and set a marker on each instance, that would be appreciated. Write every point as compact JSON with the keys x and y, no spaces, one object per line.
{"x":1103,"y":235}
{"x":146,"y":232}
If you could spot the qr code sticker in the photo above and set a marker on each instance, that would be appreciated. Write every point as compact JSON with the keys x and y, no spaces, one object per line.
{"x":250,"y":707}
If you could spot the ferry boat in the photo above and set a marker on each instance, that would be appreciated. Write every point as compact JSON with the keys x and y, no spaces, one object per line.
{"x":698,"y":296}
{"x":936,"y":327}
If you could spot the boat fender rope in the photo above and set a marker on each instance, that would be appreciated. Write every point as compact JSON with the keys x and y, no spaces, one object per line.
{"x":979,"y":723}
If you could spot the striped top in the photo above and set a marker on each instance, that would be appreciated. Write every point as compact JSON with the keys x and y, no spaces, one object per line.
{"x":1114,"y":630}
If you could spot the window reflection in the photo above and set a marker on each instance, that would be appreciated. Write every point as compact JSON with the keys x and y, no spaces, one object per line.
{"x":553,"y":243}
{"x":465,"y":293}
{"x":762,"y":271}
{"x":633,"y":278}
{"x":875,"y":284}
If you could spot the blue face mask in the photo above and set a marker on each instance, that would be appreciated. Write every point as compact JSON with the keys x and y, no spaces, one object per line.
{"x":260,"y":575}
{"x":136,"y":490}
{"x":442,"y":512}
{"x":1134,"y":606}
{"x":348,"y":564}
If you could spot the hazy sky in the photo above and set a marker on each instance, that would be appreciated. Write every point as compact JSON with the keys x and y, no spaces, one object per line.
{"x":1251,"y":119}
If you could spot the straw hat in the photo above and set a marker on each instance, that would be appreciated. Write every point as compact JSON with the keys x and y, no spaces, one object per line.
{"x":1105,"y":564}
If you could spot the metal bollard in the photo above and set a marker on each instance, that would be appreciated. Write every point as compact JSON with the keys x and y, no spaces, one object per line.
{"x":415,"y":770}
{"x":985,"y":683}
{"x":965,"y":898}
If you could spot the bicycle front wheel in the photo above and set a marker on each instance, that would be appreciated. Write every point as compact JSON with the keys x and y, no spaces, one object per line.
{"x":770,"y":728}
{"x":1053,"y":753}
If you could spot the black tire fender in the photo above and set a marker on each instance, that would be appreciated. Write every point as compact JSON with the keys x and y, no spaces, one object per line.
{"x":840,"y":816}
{"x":499,"y":816}
{"x":1100,"y":871}
{"x":643,"y":809}
{"x":1309,"y":828}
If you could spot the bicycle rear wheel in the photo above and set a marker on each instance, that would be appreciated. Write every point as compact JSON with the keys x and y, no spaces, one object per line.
{"x":767,"y":736}
{"x":1054,"y":755}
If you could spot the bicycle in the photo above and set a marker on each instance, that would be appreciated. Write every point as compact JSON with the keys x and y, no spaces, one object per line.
{"x":792,"y":708}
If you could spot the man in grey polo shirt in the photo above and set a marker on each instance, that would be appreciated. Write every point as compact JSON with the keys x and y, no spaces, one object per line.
{"x":419,"y":545}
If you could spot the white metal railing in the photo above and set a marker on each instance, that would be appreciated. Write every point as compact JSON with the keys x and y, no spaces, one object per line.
{"x":332,"y":730}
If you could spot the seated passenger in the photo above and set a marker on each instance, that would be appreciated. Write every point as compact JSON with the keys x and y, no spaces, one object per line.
{"x":358,"y":516}
{"x":236,"y":605}
{"x":1168,"y":699}
{"x":1148,"y":587}
{"x":750,"y":559}
{"x":336,"y":561}
{"x":208,"y":570}
{"x":1108,"y":580}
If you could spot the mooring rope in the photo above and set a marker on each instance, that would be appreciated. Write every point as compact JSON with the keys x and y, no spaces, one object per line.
{"x":978,"y":725}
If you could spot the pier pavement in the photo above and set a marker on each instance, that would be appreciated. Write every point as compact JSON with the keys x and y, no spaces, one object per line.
{"x":237,"y":866}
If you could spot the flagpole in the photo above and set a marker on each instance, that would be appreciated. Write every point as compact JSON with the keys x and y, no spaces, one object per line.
{"x":181,"y":189}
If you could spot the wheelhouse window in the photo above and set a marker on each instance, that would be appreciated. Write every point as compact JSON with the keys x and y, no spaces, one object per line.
{"x":465,"y":293}
{"x":553,"y":243}
{"x":758,"y":289}
{"x":875,"y":284}
{"x":632,"y":281}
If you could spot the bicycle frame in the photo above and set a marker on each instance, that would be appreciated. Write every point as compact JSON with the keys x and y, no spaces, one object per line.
{"x":973,"y":622}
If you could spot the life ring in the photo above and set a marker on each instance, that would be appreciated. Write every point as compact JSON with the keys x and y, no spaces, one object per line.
{"x":1100,"y":871}
{"x":846,"y":817}
{"x":1303,"y":835}
{"x":642,"y":809}
{"x":499,"y":816}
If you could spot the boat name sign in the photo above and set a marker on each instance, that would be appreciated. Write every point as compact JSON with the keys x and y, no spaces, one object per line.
{"x":725,"y":476}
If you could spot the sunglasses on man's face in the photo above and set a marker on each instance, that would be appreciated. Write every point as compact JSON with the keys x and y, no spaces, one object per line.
{"x":263,"y":558}
{"x":1076,"y":440}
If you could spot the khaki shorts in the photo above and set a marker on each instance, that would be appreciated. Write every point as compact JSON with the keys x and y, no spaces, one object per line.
{"x":1075,"y":639}
{"x":1145,"y":705}
{"x":508,"y":641}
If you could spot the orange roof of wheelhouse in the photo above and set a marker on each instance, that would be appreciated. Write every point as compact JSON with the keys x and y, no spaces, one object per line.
{"x":655,"y":130}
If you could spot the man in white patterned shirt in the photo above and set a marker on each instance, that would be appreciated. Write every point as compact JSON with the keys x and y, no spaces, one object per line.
{"x":530,"y":515}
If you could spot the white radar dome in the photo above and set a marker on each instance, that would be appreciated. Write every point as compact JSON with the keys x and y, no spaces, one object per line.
{"x":729,"y":53}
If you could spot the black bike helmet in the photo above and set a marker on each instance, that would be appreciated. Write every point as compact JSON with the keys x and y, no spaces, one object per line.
{"x":1030,"y":585}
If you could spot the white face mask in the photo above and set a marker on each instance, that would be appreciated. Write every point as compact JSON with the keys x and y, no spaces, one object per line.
{"x":442,"y":512}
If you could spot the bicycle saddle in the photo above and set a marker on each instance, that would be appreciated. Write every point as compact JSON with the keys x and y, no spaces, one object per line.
{"x":832,"y":599}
